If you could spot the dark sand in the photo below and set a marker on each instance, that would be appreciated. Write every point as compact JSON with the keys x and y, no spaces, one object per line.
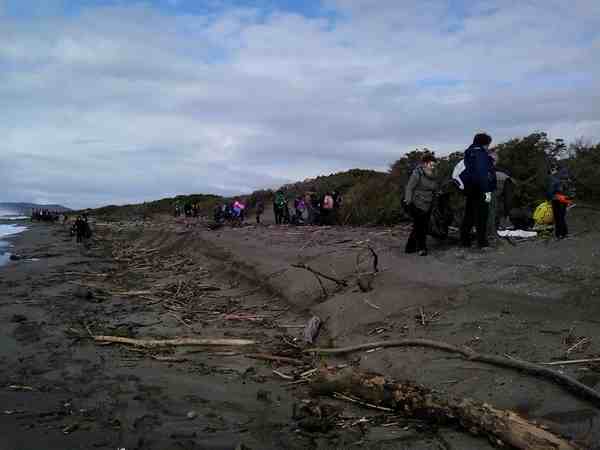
{"x":60,"y":390}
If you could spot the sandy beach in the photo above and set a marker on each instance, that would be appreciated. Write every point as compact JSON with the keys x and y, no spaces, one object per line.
{"x":536,"y":301}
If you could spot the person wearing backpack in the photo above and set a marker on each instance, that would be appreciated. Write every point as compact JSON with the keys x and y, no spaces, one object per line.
{"x":418,"y":199}
{"x":479,"y":178}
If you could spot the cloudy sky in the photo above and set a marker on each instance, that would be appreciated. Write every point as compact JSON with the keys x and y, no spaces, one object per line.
{"x":114,"y":101}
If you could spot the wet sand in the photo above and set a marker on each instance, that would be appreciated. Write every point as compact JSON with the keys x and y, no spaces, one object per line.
{"x":159,"y":279}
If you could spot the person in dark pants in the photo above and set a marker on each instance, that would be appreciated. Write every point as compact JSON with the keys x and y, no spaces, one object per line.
{"x":556,"y":194}
{"x":260,"y":209}
{"x":279,"y":205}
{"x":418,"y":198}
{"x":80,"y":226}
{"x":479,"y":178}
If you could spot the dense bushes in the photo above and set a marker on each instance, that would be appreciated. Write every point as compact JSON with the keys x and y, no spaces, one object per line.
{"x":374,"y":198}
{"x":584,"y":165}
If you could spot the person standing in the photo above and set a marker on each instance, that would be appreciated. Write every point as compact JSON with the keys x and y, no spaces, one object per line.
{"x":556,"y":194}
{"x":279,"y":205}
{"x":479,"y":178}
{"x":260,"y":209}
{"x":418,"y":198}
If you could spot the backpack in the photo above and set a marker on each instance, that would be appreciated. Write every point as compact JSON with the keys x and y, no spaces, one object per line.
{"x":543,"y":214}
{"x":328,"y":202}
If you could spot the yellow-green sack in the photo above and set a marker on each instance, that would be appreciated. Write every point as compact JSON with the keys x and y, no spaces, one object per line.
{"x":543,"y":214}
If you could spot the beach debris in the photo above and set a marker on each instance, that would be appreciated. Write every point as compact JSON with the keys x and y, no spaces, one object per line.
{"x":263,"y":395}
{"x":314,"y":417}
{"x":372,"y":305}
{"x":283,"y":375}
{"x":70,"y":428}
{"x":169,"y":358}
{"x":579,"y":345}
{"x":242,"y":317}
{"x":276,"y":358}
{"x":18,"y":318}
{"x":241,"y":446}
{"x":423,"y":319}
{"x":503,"y":427}
{"x":337,"y":281}
{"x":572,"y":361}
{"x":572,"y":385}
{"x":311,"y":330}
{"x":152,"y":343}
{"x":365,"y":282}
{"x":20,"y":387}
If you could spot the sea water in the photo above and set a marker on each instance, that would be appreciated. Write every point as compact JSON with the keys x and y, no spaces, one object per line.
{"x":8,"y":230}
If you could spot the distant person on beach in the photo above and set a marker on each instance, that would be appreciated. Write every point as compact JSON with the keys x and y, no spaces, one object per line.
{"x":79,"y":228}
{"x":418,"y":199}
{"x":479,"y":178}
{"x":299,"y":217}
{"x":327,"y":209}
{"x":279,"y":207}
{"x":316,"y":208}
{"x":260,"y":209}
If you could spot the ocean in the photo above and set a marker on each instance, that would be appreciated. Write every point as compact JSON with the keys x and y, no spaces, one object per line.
{"x":7,"y":229}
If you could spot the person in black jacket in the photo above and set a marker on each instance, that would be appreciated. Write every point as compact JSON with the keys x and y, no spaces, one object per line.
{"x":479,"y":178}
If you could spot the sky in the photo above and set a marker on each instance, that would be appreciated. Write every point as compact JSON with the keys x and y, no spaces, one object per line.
{"x":118,"y":101}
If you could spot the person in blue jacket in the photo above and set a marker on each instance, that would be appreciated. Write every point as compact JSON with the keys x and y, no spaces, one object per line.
{"x":479,"y":178}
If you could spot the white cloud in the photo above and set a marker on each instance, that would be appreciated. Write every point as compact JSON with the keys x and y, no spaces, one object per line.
{"x":125,"y":103}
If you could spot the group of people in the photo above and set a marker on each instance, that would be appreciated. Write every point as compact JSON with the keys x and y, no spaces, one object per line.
{"x":187,"y":209}
{"x":487,"y":191}
{"x":308,"y":209}
{"x":233,"y":212}
{"x":81,"y":228}
{"x":44,"y":215}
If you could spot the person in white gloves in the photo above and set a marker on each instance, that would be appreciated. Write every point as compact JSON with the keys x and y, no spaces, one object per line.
{"x":479,"y":178}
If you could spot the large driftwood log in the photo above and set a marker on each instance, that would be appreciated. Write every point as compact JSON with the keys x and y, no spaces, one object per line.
{"x":415,"y":401}
{"x":152,"y":343}
{"x":568,"y":382}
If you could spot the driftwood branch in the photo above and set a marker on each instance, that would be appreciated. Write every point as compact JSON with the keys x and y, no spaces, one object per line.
{"x":321,"y":274}
{"x":415,"y":401}
{"x":178,"y":342}
{"x":275,"y":358}
{"x":568,"y":382}
{"x":572,"y":361}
